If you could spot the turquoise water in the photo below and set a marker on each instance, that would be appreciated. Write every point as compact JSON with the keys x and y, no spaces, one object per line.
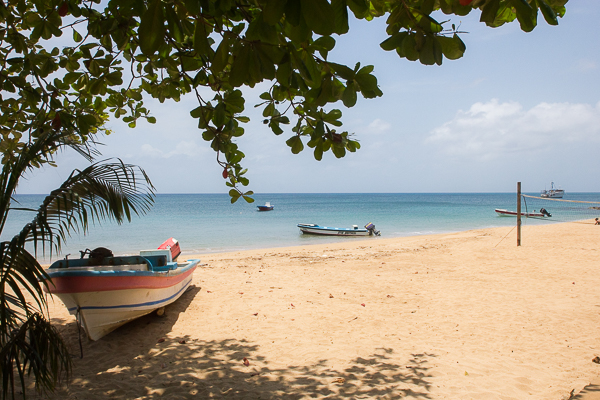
{"x":208,"y":223}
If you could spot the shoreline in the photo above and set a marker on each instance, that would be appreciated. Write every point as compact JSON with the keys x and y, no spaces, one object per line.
{"x":457,"y":315}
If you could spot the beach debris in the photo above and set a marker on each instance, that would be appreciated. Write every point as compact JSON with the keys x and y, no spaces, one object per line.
{"x":596,"y":360}
{"x":389,"y":296}
{"x":255,"y":314}
{"x":362,"y":304}
{"x":466,"y":373}
{"x":353,"y":319}
{"x":208,"y":291}
{"x":246,"y":362}
{"x":330,"y":296}
{"x":160,"y":340}
{"x":339,"y":380}
{"x":182,"y":341}
{"x":292,"y":304}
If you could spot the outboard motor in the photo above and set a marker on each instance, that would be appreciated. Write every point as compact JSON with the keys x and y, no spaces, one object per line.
{"x":544,"y":212}
{"x":98,"y":254}
{"x":371,"y":228}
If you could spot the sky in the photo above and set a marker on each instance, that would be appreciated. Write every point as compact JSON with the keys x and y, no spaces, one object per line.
{"x":518,"y":107}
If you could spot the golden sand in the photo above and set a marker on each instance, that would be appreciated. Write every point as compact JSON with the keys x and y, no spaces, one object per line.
{"x":466,"y":315}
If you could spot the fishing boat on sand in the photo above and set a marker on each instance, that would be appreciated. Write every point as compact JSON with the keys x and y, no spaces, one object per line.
{"x":105,"y":292}
{"x":329,"y":231}
{"x":266,"y":207}
{"x":505,"y":213}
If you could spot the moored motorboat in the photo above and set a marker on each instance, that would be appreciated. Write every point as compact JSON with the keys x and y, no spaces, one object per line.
{"x":506,"y":213}
{"x":105,"y":292}
{"x":266,"y":207}
{"x":330,"y":231}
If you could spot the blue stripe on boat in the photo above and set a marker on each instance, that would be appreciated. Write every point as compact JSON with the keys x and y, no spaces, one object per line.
{"x":150,"y":303}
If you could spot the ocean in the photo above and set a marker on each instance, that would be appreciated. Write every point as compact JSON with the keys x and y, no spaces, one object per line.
{"x":209,"y":223}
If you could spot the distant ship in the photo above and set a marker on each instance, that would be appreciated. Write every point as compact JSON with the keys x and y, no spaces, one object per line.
{"x":553,"y":192}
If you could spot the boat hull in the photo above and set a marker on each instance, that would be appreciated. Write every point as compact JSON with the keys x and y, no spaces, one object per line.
{"x":264,"y":208}
{"x":329,"y":231}
{"x":506,"y":213}
{"x":556,"y":194}
{"x":108,"y":298}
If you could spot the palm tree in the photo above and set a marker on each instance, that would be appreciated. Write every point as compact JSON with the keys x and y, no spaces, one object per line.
{"x":106,"y":190}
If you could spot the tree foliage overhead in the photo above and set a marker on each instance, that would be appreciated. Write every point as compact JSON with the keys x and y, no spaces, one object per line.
{"x":72,"y":64}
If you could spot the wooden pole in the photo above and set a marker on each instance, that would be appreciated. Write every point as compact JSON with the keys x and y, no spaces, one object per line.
{"x":518,"y":213}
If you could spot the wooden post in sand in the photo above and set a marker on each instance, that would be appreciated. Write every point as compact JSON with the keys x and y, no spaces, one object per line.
{"x":518,"y":213}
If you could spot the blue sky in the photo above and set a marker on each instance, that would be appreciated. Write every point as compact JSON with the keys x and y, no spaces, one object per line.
{"x":517,"y":107}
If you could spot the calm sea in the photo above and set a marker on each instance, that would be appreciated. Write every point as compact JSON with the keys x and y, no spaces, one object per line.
{"x":208,"y":223}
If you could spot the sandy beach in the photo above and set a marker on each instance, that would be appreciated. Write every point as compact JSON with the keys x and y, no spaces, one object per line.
{"x":465,"y":315}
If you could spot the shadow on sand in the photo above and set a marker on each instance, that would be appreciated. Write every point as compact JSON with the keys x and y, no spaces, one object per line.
{"x":185,"y":367}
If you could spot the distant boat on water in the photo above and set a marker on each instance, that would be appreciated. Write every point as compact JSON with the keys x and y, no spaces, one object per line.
{"x":507,"y":213}
{"x":266,"y":207}
{"x":553,"y":192}
{"x":314,"y":229}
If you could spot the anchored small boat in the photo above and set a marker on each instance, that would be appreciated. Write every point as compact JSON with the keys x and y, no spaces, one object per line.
{"x":105,"y":292}
{"x":505,"y":213}
{"x":329,"y":231}
{"x":266,"y":207}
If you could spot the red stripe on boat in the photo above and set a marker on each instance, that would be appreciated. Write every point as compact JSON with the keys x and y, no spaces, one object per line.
{"x":79,"y":284}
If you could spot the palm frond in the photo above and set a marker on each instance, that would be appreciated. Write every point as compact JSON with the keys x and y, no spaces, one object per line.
{"x":103,"y":191}
{"x":34,"y":348}
{"x":20,"y":272}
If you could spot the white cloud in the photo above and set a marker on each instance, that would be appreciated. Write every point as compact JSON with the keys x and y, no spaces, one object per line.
{"x":190,"y":149}
{"x":586,"y":65}
{"x":489,"y":130}
{"x":379,"y":126}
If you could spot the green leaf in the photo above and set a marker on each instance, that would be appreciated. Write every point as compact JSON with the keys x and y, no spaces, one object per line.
{"x":525,"y":14}
{"x":453,"y":48}
{"x":326,"y":43}
{"x":489,"y":12}
{"x":240,"y":73}
{"x":296,"y":144}
{"x":427,"y":6}
{"x":338,"y":150}
{"x":409,"y":48}
{"x":319,"y":16}
{"x":174,"y":23}
{"x":547,"y":12}
{"x":220,"y":116}
{"x":221,"y":57}
{"x":273,"y":11}
{"x":343,"y":71}
{"x":235,"y":195}
{"x":340,"y":12}
{"x":201,"y":44}
{"x":152,"y":28}
{"x":318,"y":153}
{"x":393,"y":41}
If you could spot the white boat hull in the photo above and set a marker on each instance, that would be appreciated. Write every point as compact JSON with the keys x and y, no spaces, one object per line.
{"x":506,"y":213}
{"x":329,"y":231}
{"x":118,"y":290}
{"x":103,"y":312}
